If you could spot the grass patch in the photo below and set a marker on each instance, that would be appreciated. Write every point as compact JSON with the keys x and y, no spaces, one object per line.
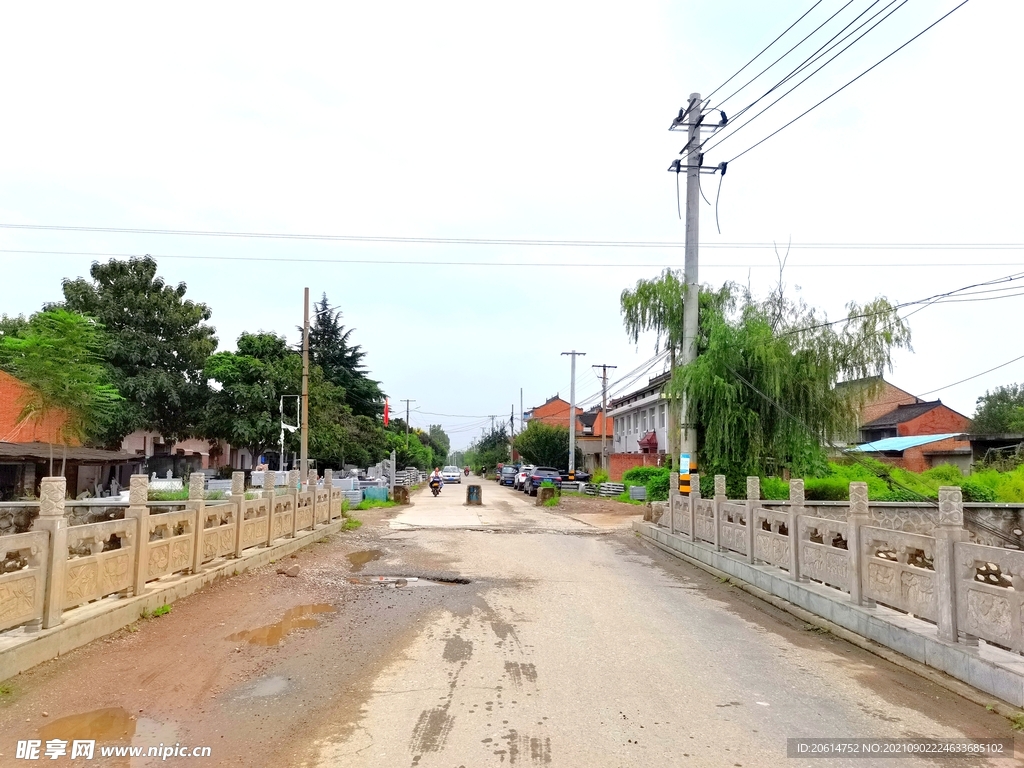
{"x":375,"y":504}
{"x":624,"y":498}
{"x":182,"y":495}
{"x":6,"y":690}
{"x":816,"y":629}
{"x":163,"y":610}
{"x":552,"y":502}
{"x":132,"y":629}
{"x":1017,"y":721}
{"x":351,"y":524}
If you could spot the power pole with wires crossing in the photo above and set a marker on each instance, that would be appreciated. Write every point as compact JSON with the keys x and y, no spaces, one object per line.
{"x":407,"y":421}
{"x":572,"y":416}
{"x":604,"y":411}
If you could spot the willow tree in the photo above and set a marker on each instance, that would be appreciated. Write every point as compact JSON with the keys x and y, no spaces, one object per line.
{"x":656,"y":306}
{"x":762,"y":390}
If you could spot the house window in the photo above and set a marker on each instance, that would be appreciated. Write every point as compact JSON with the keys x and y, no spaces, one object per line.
{"x":661,"y":416}
{"x":651,"y":414}
{"x":629,"y":424}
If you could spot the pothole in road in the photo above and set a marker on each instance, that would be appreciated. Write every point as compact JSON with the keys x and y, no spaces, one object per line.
{"x":359,"y":559}
{"x":299,"y":617}
{"x":398,"y":582}
{"x":267,"y":686}
{"x":113,"y":725}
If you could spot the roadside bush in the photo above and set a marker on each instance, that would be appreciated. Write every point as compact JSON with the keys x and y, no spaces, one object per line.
{"x":827,"y":489}
{"x":944,"y":474}
{"x":640,"y":475}
{"x":600,"y":476}
{"x":774,"y":488}
{"x":657,"y":487}
{"x":976,"y":491}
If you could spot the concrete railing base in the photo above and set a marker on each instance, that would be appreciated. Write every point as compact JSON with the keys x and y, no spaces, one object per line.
{"x":985,"y":667}
{"x":23,"y":649}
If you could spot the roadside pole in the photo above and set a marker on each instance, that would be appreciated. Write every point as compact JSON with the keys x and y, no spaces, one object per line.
{"x":572,"y":416}
{"x":604,"y":412}
{"x":304,"y":432}
{"x":688,"y":438}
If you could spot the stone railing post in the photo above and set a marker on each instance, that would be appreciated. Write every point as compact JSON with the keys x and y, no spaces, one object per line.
{"x":311,"y":486}
{"x":948,"y":532}
{"x":197,"y":500}
{"x":138,"y":496}
{"x":796,"y":509}
{"x":393,"y":463}
{"x":753,"y":497}
{"x":295,"y":488}
{"x":238,"y":496}
{"x":52,"y":520}
{"x":720,"y":498}
{"x":692,"y":503}
{"x":269,"y":478}
{"x":673,"y":500}
{"x":857,"y":516}
{"x":329,"y":487}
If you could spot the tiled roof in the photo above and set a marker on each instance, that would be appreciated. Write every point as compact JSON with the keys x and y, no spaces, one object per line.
{"x":902,"y":414}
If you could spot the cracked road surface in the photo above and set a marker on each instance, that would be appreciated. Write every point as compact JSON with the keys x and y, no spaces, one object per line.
{"x":573,"y":644}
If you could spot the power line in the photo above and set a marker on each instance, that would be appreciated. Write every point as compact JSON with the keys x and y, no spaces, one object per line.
{"x":808,"y":62}
{"x":975,"y":376}
{"x":773,"y":42}
{"x":851,"y":82}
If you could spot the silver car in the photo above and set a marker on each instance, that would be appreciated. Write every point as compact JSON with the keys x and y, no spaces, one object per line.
{"x":524,"y":472}
{"x":451,"y":475}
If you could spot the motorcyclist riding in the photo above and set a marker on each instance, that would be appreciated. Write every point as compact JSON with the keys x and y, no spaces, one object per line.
{"x":436,"y":482}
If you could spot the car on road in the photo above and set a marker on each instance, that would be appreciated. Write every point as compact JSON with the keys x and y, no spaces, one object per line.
{"x":543,"y":475}
{"x":581,"y":476}
{"x":524,"y":472}
{"x":451,"y":474}
{"x":508,"y":474}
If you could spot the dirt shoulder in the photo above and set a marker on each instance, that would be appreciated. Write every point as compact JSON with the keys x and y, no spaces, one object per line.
{"x":249,"y":666}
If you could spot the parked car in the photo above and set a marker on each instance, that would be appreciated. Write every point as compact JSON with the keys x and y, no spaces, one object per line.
{"x":581,"y":476}
{"x":508,"y":474}
{"x":541,"y":475}
{"x":524,"y":472}
{"x":451,"y":474}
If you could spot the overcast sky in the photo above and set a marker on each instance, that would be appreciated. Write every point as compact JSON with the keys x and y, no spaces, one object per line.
{"x":541,"y":120}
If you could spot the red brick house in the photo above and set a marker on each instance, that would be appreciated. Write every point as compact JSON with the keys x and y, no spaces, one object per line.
{"x":12,"y":396}
{"x":555,"y":411}
{"x":913,"y":419}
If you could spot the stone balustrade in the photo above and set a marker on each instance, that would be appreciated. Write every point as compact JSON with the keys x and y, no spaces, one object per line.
{"x":56,"y":566}
{"x":968,"y":590}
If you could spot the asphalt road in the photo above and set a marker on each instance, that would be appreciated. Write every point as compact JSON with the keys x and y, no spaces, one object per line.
{"x":584,"y":647}
{"x":533,"y":636}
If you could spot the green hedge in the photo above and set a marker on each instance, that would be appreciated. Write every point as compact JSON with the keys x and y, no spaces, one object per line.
{"x":654,"y":479}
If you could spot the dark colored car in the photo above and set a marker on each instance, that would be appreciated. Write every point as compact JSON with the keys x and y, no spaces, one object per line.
{"x":508,"y":474}
{"x":542,"y":475}
{"x":581,"y":476}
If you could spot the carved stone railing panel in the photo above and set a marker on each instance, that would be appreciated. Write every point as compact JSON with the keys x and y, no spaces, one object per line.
{"x":281,"y":517}
{"x":771,"y":537}
{"x":704,"y":522}
{"x":218,"y":531}
{"x":733,"y":527}
{"x":336,"y":503}
{"x":22,"y":590}
{"x":824,"y":561}
{"x":255,"y":522}
{"x":323,"y":502}
{"x":682,"y":515}
{"x":304,"y":510}
{"x":101,"y":561}
{"x":169,"y":545}
{"x":990,"y":593}
{"x":897,"y":570}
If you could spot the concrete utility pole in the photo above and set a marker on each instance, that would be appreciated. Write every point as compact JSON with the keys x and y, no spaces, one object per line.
{"x":407,"y":421}
{"x":604,"y":410}
{"x":572,"y":415}
{"x":304,"y":432}
{"x":688,"y":438}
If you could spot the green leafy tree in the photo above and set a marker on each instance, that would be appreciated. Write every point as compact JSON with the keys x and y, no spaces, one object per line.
{"x":244,"y":407}
{"x":157,"y":343}
{"x":490,"y":450}
{"x":546,"y":445}
{"x":57,"y":354}
{"x":762,"y":391}
{"x":331,"y":348}
{"x":439,"y":440}
{"x":1000,"y":411}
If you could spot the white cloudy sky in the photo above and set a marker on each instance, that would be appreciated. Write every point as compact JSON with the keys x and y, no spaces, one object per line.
{"x":533,"y":120}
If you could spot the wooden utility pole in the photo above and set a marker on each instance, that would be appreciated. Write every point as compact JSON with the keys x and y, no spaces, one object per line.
{"x":604,"y":413}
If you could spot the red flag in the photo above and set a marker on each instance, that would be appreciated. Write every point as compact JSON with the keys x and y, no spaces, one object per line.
{"x":386,"y":419}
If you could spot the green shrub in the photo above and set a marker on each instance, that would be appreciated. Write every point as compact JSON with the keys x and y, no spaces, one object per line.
{"x":600,"y":476}
{"x":976,"y":491}
{"x":640,"y":475}
{"x":658,"y":486}
{"x":826,"y":489}
{"x":774,"y":488}
{"x":944,"y":474}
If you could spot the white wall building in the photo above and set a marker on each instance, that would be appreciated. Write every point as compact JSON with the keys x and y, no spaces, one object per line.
{"x":641,"y":416}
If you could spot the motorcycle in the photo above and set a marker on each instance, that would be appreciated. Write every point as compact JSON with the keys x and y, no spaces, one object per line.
{"x":466,"y":470}
{"x":435,"y":486}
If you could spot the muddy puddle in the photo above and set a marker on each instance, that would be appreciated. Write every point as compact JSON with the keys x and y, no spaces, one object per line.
{"x":398,"y":582}
{"x":358,"y":559}
{"x":111,"y":726}
{"x":300,"y":617}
